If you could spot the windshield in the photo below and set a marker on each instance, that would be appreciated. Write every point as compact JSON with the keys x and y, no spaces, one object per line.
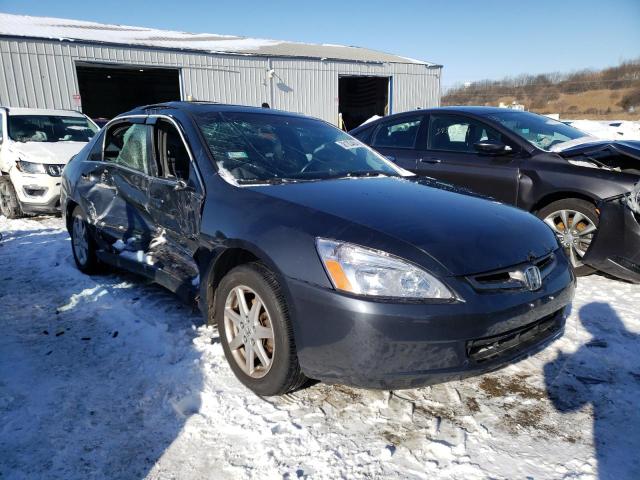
{"x":255,"y":147}
{"x":543,"y":132}
{"x":48,"y":128}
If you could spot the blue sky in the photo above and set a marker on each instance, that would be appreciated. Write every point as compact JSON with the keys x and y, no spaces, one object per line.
{"x":472,"y":39}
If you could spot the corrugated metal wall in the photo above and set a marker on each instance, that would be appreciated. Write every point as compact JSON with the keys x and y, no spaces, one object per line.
{"x":42,"y":74}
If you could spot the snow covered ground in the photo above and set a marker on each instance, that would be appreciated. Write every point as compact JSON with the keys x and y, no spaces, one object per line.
{"x":110,"y":377}
{"x":608,"y":129}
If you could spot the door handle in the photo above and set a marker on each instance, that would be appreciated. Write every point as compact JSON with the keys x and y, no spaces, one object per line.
{"x":430,"y":160}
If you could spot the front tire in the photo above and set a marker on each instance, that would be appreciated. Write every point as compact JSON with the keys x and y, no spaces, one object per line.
{"x":575,"y":222}
{"x":82,"y":243}
{"x":255,"y":331}
{"x":9,"y":203}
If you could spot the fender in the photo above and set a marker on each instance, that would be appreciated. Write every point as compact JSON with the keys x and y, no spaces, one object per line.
{"x":208,"y":257}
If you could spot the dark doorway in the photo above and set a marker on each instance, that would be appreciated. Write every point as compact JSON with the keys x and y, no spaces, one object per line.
{"x":360,"y":98}
{"x":106,"y":91}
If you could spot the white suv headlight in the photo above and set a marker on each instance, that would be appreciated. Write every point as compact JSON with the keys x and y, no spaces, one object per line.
{"x":30,"y":167}
{"x":365,"y":271}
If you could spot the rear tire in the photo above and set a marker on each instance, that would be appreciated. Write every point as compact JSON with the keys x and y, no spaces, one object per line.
{"x":9,"y":203}
{"x":83,"y":245}
{"x":576,"y":241}
{"x":252,"y":317}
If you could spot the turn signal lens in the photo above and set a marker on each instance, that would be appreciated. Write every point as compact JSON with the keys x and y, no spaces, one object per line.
{"x":338,"y":276}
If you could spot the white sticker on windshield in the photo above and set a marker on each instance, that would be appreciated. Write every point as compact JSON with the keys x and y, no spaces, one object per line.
{"x":348,"y":144}
{"x":237,"y":155}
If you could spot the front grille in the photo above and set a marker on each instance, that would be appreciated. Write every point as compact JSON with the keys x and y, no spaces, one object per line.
{"x":491,"y":348}
{"x":512,"y":278}
{"x":54,"y":170}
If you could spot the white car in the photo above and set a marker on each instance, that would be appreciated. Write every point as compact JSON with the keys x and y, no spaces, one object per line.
{"x":35,"y":145}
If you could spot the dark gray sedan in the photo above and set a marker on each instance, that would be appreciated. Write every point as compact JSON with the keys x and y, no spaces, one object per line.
{"x":315,"y":256}
{"x":584,"y":188}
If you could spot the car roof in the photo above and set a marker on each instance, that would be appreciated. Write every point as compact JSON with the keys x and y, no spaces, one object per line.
{"x":473,"y":110}
{"x":201,"y":107}
{"x":478,"y":110}
{"x":42,"y":111}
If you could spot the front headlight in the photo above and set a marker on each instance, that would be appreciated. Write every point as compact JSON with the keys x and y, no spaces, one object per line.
{"x":365,"y":271}
{"x":632,"y":199}
{"x":30,"y":167}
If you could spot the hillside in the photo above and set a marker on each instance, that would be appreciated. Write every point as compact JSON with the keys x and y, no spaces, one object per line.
{"x":610,"y":93}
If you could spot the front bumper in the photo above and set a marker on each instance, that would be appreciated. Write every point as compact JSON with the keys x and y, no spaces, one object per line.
{"x":615,"y":248}
{"x":37,"y":193}
{"x":374,"y":344}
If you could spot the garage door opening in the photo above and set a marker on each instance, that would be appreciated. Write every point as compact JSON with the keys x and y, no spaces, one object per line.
{"x":107,"y":91}
{"x":360,"y":98}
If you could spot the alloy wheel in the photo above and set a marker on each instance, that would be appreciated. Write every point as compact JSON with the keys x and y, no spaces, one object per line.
{"x":4,"y":198}
{"x":575,"y":232}
{"x":249,"y":331}
{"x":80,"y":240}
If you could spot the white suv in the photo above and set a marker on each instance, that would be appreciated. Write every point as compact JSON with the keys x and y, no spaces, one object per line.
{"x":35,"y":145}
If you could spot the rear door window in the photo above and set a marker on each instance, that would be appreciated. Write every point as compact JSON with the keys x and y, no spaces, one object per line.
{"x":399,"y":134}
{"x":127,"y":145}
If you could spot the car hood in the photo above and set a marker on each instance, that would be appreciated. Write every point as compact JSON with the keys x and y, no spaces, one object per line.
{"x":464,"y":233}
{"x":591,"y":144}
{"x":619,"y":155}
{"x":46,"y":152}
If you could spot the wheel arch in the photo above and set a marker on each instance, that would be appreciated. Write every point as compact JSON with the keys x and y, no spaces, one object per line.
{"x":216,"y":265}
{"x":69,"y":208}
{"x":562,"y":195}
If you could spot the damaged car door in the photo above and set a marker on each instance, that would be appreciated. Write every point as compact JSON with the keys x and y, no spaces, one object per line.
{"x":175,"y":202}
{"x":127,"y":150}
{"x":115,"y":183}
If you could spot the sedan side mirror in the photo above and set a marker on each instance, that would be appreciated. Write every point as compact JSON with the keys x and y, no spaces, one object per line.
{"x":492,"y":147}
{"x":181,"y":185}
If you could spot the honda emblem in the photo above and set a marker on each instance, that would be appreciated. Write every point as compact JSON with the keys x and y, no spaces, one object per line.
{"x":532,"y":278}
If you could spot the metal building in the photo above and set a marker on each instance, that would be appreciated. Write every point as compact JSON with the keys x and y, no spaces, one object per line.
{"x":105,"y":69}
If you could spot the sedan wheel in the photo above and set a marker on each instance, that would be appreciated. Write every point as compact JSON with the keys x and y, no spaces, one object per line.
{"x":249,"y":331}
{"x":82,"y":243}
{"x":575,"y":223}
{"x":255,"y":330}
{"x":80,"y":240}
{"x":575,"y":232}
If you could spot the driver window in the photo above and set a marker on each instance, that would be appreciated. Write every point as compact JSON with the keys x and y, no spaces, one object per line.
{"x":451,"y":133}
{"x":126,"y":145}
{"x":173,"y":156}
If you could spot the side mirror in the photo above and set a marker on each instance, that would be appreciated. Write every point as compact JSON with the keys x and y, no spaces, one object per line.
{"x":180,"y":185}
{"x":492,"y":147}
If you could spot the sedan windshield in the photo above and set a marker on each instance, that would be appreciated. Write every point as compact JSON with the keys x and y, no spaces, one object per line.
{"x":49,"y":128}
{"x":255,"y":148}
{"x":543,"y":132}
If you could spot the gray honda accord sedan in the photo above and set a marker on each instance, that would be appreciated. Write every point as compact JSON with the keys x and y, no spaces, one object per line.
{"x":313,"y":255}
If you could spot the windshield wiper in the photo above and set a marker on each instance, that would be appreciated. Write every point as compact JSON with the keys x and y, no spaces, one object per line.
{"x":357,"y":174}
{"x":268,"y":181}
{"x":367,"y":173}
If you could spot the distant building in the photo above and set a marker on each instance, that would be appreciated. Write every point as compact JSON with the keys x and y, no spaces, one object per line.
{"x":106,"y":69}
